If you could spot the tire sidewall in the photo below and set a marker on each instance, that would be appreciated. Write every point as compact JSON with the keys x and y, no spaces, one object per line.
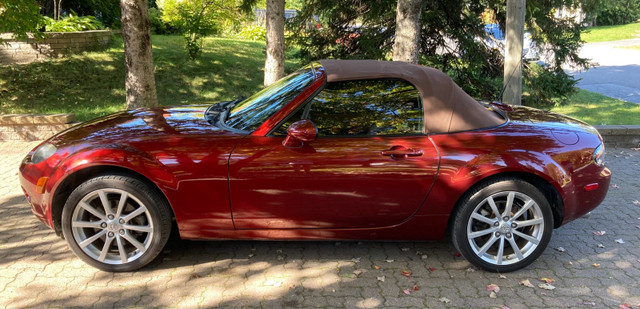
{"x":156,"y":206}
{"x":469,"y":203}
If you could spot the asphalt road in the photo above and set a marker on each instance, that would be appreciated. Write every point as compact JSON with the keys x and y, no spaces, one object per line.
{"x":618,"y":72}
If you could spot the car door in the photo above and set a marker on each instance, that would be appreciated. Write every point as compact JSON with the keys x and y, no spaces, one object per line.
{"x":371,"y":165}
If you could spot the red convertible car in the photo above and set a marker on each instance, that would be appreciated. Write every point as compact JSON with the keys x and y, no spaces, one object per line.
{"x":341,"y":149}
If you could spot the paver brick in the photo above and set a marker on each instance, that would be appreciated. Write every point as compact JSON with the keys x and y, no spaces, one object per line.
{"x":38,"y":270}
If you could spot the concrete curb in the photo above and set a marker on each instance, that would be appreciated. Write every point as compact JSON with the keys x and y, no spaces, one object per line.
{"x":620,"y":136}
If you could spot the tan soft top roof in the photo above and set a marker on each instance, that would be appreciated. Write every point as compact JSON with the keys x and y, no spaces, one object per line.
{"x":447,"y":108}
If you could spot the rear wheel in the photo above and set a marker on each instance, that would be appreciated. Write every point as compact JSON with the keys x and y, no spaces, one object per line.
{"x":116,"y":223}
{"x":503,"y":226}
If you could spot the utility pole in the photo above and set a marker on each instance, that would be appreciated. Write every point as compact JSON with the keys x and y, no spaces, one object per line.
{"x":514,"y":34}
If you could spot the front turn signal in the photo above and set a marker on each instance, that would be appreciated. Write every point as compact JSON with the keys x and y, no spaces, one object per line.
{"x":42,"y":182}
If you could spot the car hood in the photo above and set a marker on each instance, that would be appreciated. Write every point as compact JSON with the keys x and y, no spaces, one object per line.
{"x":142,"y":124}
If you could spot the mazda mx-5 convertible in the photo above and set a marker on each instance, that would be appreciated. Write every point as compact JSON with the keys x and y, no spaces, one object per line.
{"x":340,"y":149}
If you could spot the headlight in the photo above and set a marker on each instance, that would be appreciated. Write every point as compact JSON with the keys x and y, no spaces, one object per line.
{"x":598,"y":155}
{"x":43,"y":152}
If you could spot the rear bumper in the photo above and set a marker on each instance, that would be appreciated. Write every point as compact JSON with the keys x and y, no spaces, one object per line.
{"x":581,"y":197}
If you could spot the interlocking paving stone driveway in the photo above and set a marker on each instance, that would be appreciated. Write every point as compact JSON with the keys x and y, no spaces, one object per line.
{"x":37,"y":270}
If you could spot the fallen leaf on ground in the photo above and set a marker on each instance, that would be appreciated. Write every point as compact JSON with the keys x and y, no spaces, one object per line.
{"x":502,"y":277}
{"x":405,"y":249}
{"x":407,"y":291}
{"x":444,"y":300}
{"x":614,"y":186}
{"x":195,"y":276}
{"x":636,"y":202}
{"x":415,"y":287}
{"x":546,"y":286}
{"x":381,"y":278}
{"x":600,"y":246}
{"x":431,"y":269}
{"x":493,"y":295}
{"x":358,"y":272}
{"x":560,"y":249}
{"x":377,"y":267}
{"x":624,"y":306}
{"x":355,"y":260}
{"x":526,"y":283}
{"x":620,"y":241}
{"x":406,"y":273}
{"x":548,"y":280}
{"x":389,"y":261}
{"x":493,"y":288}
{"x":596,"y":265}
{"x":599,"y":233}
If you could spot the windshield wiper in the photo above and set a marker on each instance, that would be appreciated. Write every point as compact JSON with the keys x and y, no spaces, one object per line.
{"x":218,"y":113}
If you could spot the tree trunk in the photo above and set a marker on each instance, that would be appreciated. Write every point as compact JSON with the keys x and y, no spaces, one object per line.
{"x":406,"y":46}
{"x":274,"y":64}
{"x":514,"y":36}
{"x":136,"y":33}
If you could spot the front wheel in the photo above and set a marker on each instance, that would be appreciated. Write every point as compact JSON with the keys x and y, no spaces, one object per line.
{"x":502,"y":226}
{"x":116,"y":223}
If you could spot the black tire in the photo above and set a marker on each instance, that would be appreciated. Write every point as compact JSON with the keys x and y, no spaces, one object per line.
{"x":124,"y":236}
{"x":475,"y":225}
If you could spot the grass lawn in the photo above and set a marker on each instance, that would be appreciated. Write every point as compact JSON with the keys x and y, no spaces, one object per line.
{"x":636,"y":47}
{"x":611,"y":33}
{"x":597,"y":109}
{"x":92,"y":84}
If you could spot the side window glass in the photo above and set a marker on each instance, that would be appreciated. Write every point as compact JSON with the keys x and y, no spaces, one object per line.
{"x":368,"y":107}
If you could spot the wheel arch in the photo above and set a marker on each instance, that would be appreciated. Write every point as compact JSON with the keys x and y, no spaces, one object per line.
{"x":73,"y":180}
{"x":548,"y":190}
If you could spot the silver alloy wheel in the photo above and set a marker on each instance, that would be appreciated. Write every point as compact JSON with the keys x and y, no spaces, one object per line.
{"x":505,"y":228}
{"x":112,"y":226}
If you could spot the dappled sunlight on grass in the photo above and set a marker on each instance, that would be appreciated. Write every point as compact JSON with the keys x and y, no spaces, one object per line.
{"x":91,"y":84}
{"x":597,"y":109}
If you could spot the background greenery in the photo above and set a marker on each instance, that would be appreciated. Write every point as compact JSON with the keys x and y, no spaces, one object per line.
{"x":92,"y":84}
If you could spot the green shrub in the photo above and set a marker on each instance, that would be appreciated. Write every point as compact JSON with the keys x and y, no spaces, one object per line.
{"x":252,"y":32}
{"x":72,"y":23}
{"x":545,"y":88}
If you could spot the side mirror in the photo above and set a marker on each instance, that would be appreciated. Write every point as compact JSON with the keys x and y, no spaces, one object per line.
{"x":300,"y":132}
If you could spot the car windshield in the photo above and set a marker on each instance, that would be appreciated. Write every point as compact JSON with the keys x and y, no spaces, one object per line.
{"x":249,"y":114}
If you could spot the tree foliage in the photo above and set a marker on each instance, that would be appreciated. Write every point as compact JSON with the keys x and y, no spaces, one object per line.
{"x":20,"y":17}
{"x":452,"y":35}
{"x":106,"y":11}
{"x":198,"y":18}
{"x":618,"y":12}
